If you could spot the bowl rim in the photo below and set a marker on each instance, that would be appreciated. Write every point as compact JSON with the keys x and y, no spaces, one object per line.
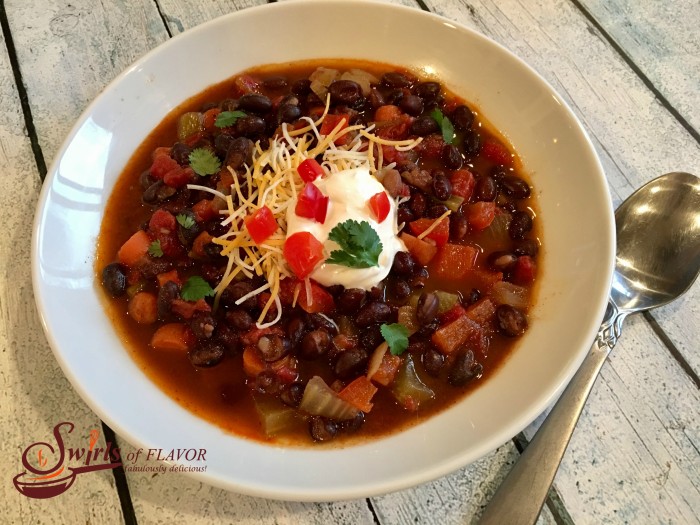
{"x":371,"y":488}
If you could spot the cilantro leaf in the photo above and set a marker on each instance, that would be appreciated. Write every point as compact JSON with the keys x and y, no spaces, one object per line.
{"x":359,"y":243}
{"x":155,"y":250}
{"x":196,"y":288}
{"x":228,"y":118}
{"x":184,"y":220}
{"x":446,"y":127}
{"x":204,"y":162}
{"x":396,"y":336}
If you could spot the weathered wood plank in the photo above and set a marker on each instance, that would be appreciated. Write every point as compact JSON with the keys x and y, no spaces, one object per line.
{"x":181,"y":15}
{"x":667,"y":50}
{"x":34,"y":394}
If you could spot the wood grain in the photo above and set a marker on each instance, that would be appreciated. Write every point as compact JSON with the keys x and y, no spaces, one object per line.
{"x":34,"y":394}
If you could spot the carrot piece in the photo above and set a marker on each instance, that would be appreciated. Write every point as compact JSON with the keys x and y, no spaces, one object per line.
{"x":440,"y":233}
{"x":485,"y":279}
{"x":423,"y":251}
{"x":450,"y":337}
{"x":387,"y":112}
{"x":209,"y":118}
{"x":482,"y":311}
{"x":172,"y":336}
{"x":387,"y":369}
{"x":168,"y":276}
{"x":359,"y":393}
{"x":454,"y":261}
{"x":199,"y":243}
{"x":134,"y":248}
{"x":253,"y":363}
{"x":143,"y":308}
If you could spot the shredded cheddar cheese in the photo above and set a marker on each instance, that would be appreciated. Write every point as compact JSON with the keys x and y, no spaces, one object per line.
{"x":273,"y":181}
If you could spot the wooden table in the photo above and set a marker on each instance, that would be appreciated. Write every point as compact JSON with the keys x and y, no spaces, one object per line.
{"x":631,"y":72}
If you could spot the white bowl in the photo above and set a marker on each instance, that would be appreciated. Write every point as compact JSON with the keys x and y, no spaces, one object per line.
{"x":577,"y":259}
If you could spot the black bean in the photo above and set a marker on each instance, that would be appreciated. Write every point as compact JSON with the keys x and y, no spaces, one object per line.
{"x":371,"y":337}
{"x":412,"y":105}
{"x":376,"y":99}
{"x":228,"y":337}
{"x":373,"y":312}
{"x":157,"y":192}
{"x":442,"y":187}
{"x":188,"y":235}
{"x":273,"y":347}
{"x":345,"y":92}
{"x":462,"y":118}
{"x":354,"y":424}
{"x":473,"y":296}
{"x":207,"y":354}
{"x":301,"y":87}
{"x":350,"y":300}
{"x":321,"y":321}
{"x":486,"y":189}
{"x":376,"y":293}
{"x":296,"y":328}
{"x":400,"y":289}
{"x":459,"y":226}
{"x":222,"y":142}
{"x":350,"y":363}
{"x":212,"y":250}
{"x":267,"y":382}
{"x":250,"y":126}
{"x":419,"y":278}
{"x":153,"y":266}
{"x":239,"y":319}
{"x":394,"y":97}
{"x":464,"y":369}
{"x":501,"y":261}
{"x":239,"y":152}
{"x":520,"y":224}
{"x":515,"y":187}
{"x":203,"y":325}
{"x":207,"y":106}
{"x":418,"y":204}
{"x":236,"y":291}
{"x":229,"y":104}
{"x":435,"y":211}
{"x":424,"y":125}
{"x":276,"y":82}
{"x":114,"y":279}
{"x":404,"y":264}
{"x":471,"y":144}
{"x":433,"y":361}
{"x":451,"y":157}
{"x":427,"y":90}
{"x":288,"y":113}
{"x":292,"y":394}
{"x":255,"y":103}
{"x":404,"y":215}
{"x":322,"y":429}
{"x":395,"y":79}
{"x":314,"y":344}
{"x":511,"y":322}
{"x":166,"y":295}
{"x":526,"y":247}
{"x":427,"y":307}
{"x":145,"y":180}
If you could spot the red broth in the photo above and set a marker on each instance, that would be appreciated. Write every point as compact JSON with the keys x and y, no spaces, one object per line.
{"x":216,"y":364}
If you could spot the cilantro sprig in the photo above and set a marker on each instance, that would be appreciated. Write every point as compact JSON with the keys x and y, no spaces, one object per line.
{"x":446,"y":127}
{"x":185,"y":220}
{"x":204,"y":162}
{"x":396,"y":336}
{"x":359,"y":243}
{"x":196,"y":288}
{"x":155,"y":249}
{"x":228,"y":118}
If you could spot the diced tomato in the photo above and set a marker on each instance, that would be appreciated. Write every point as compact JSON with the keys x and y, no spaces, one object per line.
{"x":162,"y":222}
{"x":431,"y":146}
{"x":162,"y":164}
{"x":380,"y":206}
{"x":186,"y":309}
{"x":320,"y":300}
{"x":450,"y":337}
{"x":387,"y":370}
{"x":485,"y":279}
{"x":496,"y":152}
{"x":482,"y":311}
{"x":396,"y":129}
{"x":134,"y":249}
{"x":359,"y":393}
{"x":168,"y":276}
{"x":246,"y":84}
{"x":309,"y":170}
{"x":303,"y":252}
{"x":173,"y":336}
{"x":524,"y":270}
{"x":178,"y":177}
{"x":252,"y":336}
{"x":312,"y":204}
{"x":287,"y":288}
{"x":261,"y":224}
{"x":203,"y":210}
{"x":454,"y":261}
{"x":452,"y":314}
{"x":193,"y":139}
{"x":253,"y":362}
{"x":330,"y":123}
{"x":463,"y":183}
{"x":391,"y":154}
{"x":199,"y":243}
{"x":422,"y":251}
{"x":480,"y":215}
{"x":209,"y":118}
{"x":440,"y":234}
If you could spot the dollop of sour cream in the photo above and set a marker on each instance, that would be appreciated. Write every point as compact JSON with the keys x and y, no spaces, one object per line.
{"x":348,"y":194}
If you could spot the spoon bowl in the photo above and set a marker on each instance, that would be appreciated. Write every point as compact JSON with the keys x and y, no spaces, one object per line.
{"x":658,"y":259}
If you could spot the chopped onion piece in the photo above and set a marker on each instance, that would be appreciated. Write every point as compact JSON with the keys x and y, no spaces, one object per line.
{"x":376,"y":360}
{"x":408,"y":389}
{"x":504,"y":292}
{"x":321,"y":400}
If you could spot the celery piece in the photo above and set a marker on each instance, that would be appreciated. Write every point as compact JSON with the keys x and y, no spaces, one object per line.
{"x":275,"y":417}
{"x":447,"y":301}
{"x":454,"y":202}
{"x":407,"y":388}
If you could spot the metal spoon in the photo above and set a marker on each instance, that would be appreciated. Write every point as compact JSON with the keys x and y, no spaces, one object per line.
{"x":658,"y":259}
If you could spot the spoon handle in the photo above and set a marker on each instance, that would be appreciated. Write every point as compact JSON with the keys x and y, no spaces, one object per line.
{"x":519,"y":499}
